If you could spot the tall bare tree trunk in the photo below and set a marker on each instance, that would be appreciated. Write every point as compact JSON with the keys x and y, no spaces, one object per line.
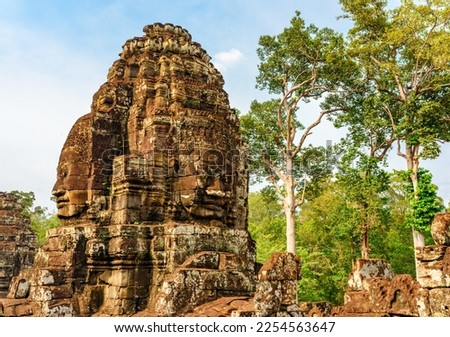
{"x":289,"y":207}
{"x":290,"y":231}
{"x":412,"y":159}
{"x":365,"y":241}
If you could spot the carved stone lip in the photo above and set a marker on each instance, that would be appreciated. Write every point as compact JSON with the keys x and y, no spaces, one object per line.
{"x":211,"y":206}
{"x":61,"y":204}
{"x":62,"y":201}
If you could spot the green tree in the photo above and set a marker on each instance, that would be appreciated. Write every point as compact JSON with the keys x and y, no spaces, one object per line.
{"x":363,"y":184}
{"x":364,"y":153}
{"x":328,"y":230}
{"x":41,"y":220}
{"x":301,"y":64}
{"x":404,"y":59}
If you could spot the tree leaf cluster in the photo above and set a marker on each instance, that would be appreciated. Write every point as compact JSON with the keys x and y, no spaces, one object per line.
{"x":423,"y":206}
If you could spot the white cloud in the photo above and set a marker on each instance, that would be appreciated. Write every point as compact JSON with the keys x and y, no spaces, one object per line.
{"x":226,"y":59}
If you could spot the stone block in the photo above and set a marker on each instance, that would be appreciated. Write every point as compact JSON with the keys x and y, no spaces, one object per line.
{"x":90,"y":300}
{"x":280,"y":267}
{"x":289,"y":293}
{"x":121,"y":277}
{"x":20,"y":288}
{"x":203,"y":260}
{"x":368,"y":269}
{"x":126,"y":216}
{"x":431,"y":274}
{"x":446,"y":263}
{"x":159,"y":258}
{"x":58,"y":308}
{"x":157,"y":243}
{"x":57,"y":260}
{"x":440,"y":302}
{"x":18,"y":243}
{"x":358,"y":302}
{"x":45,"y":277}
{"x":268,"y":297}
{"x":62,"y":291}
{"x":97,"y":248}
{"x":230,"y":261}
{"x":51,"y":277}
{"x":431,"y":253}
{"x":17,"y":308}
{"x":122,"y":246}
{"x":186,"y":184}
{"x":440,"y":229}
{"x":26,"y":309}
{"x":403,"y":295}
{"x":112,"y":292}
{"x":423,"y":303}
{"x":130,"y":292}
{"x":119,"y":202}
{"x":229,"y":280}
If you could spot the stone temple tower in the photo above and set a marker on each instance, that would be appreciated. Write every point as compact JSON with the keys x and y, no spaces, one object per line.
{"x":151,"y":190}
{"x":17,"y":241}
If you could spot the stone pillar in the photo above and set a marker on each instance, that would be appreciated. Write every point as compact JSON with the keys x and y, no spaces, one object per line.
{"x":276,"y":290}
{"x":433,"y":266}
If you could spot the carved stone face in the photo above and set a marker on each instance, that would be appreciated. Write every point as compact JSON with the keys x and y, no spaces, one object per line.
{"x":208,"y":200}
{"x":203,"y":186}
{"x":71,"y":187}
{"x":164,"y":108}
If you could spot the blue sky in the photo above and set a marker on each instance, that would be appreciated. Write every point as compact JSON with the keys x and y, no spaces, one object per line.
{"x":55,"y":54}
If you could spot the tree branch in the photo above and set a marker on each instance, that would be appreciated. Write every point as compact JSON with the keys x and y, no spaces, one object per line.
{"x":399,"y":152}
{"x":307,"y":131}
{"x":300,"y":202}
{"x":272,"y":168}
{"x":273,"y":181}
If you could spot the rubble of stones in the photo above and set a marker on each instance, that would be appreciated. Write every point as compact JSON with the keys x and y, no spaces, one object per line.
{"x":373,"y":289}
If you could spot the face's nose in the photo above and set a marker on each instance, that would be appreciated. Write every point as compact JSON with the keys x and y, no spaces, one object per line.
{"x":58,"y":192}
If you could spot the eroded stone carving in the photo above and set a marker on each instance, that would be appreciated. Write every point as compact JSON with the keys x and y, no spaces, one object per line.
{"x":160,"y":130}
{"x":275,"y":293}
{"x":149,"y":183}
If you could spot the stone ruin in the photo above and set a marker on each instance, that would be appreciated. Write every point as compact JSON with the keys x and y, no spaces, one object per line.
{"x":151,"y":191}
{"x":275,"y":294}
{"x":18,"y":243}
{"x":374,"y":290}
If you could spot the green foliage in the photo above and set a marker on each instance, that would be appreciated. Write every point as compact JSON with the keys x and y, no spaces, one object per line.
{"x":329,"y":231}
{"x":290,"y":58}
{"x":329,"y":244}
{"x":404,"y":68}
{"x":363,"y":183}
{"x":423,"y":205}
{"x":387,"y":84}
{"x":41,"y":220}
{"x":301,"y":64}
{"x":266,"y":224}
{"x":262,"y":132}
